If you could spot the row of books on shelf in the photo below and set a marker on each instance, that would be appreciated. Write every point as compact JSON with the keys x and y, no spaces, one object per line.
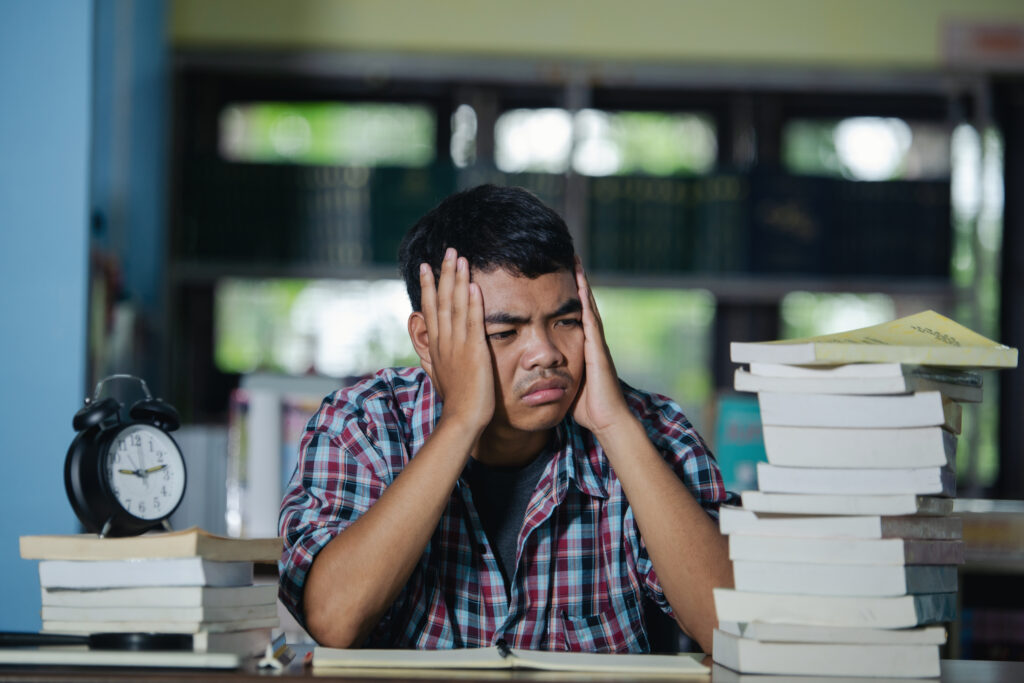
{"x":846,"y":558}
{"x":760,"y":222}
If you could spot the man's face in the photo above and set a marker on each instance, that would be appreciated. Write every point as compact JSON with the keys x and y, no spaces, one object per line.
{"x":535,"y":334}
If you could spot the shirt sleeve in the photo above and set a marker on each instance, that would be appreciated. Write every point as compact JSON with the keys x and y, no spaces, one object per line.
{"x":691,"y":460}
{"x":341,"y":472}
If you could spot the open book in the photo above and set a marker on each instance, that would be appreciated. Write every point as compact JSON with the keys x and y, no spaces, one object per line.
{"x":503,"y":657}
{"x":925,"y":338}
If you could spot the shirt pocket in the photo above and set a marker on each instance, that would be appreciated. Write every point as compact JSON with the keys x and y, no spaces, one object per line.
{"x":610,"y":630}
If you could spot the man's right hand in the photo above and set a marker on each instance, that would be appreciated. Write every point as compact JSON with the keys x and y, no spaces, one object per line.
{"x":460,"y":360}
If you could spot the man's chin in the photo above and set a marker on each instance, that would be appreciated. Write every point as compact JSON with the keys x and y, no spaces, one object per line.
{"x":541,"y":418}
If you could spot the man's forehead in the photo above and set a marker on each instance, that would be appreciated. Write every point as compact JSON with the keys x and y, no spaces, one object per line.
{"x":505,"y":292}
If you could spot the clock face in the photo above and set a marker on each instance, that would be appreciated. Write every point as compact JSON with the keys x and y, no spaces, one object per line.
{"x":146,"y":472}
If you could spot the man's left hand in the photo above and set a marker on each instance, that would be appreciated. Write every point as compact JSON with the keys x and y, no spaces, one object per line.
{"x":600,"y":405}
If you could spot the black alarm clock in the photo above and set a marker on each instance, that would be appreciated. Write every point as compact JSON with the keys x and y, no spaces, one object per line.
{"x":124,"y":474}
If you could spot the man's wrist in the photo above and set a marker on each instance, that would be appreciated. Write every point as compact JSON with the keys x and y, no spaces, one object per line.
{"x":621,"y":430}
{"x":461,"y":427}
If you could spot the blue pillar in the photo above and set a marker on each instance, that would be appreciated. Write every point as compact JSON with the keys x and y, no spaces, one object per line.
{"x":45,"y":81}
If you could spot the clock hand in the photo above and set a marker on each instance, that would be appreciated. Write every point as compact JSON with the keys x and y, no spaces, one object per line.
{"x":157,"y":468}
{"x":137,"y":473}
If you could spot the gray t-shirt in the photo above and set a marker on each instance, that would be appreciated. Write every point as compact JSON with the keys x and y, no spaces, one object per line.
{"x":501,"y":495}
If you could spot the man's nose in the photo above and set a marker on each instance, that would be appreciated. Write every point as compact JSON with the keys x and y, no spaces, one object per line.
{"x":541,"y":351}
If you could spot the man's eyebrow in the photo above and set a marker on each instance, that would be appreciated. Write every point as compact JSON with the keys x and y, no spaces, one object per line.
{"x":567,"y":307}
{"x":503,"y":318}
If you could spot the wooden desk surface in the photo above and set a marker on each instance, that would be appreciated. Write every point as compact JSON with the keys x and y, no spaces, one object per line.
{"x":953,"y":671}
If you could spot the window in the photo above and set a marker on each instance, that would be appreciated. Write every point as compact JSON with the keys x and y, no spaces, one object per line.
{"x":602,"y":143}
{"x":329,"y":133}
{"x":867,"y":148}
{"x":661,"y":341}
{"x":335,"y":328}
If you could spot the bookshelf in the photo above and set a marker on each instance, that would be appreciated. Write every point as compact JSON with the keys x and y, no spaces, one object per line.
{"x":991,"y":610}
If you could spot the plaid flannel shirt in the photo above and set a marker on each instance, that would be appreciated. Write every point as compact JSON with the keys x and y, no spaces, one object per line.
{"x":582,"y":572}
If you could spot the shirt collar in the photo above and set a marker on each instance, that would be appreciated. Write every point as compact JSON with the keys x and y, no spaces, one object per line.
{"x":581,"y":460}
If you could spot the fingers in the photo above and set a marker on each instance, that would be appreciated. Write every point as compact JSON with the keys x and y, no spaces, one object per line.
{"x":475,"y":323}
{"x":444,"y":295}
{"x":428,"y":304}
{"x":460,"y":300}
{"x":449,"y":310}
{"x":590,"y":313}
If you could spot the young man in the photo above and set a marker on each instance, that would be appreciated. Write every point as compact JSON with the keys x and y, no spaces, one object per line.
{"x":511,"y":487}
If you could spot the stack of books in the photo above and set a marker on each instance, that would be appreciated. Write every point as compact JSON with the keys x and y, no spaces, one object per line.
{"x":188,"y":582}
{"x":845,"y":558}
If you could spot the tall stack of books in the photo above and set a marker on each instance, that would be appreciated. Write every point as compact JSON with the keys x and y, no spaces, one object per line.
{"x":188,"y":582}
{"x":845,"y":557}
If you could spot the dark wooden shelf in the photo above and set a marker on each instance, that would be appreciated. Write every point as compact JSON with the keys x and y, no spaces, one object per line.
{"x":724,"y":287}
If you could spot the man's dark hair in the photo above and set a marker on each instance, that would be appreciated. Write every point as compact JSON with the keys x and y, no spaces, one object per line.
{"x":493,"y":227}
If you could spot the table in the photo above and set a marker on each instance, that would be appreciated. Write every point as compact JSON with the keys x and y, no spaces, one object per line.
{"x":953,"y":671}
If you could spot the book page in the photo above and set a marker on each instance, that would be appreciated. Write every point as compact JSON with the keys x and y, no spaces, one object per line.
{"x":927,"y":328}
{"x":462,"y":658}
{"x":638,"y":664}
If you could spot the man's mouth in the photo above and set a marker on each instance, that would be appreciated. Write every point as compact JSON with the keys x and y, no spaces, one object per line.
{"x":545,"y":391}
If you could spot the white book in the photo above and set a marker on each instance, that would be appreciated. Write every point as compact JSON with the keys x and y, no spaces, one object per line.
{"x":868,"y":371}
{"x":101,"y":615}
{"x":157,"y":626}
{"x":723,"y":674}
{"x":825,"y":659}
{"x":185,"y":571}
{"x":924,"y":409}
{"x":737,"y":520}
{"x":821,"y":504}
{"x":246,"y":642}
{"x":902,"y":611}
{"x":802,"y":633}
{"x":852,"y":447}
{"x":811,"y":480}
{"x":79,"y":657}
{"x":162,"y":596}
{"x":797,"y":578}
{"x":902,"y":384}
{"x":890,"y":551}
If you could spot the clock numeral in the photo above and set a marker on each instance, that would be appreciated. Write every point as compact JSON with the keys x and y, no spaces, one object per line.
{"x":137,"y":440}
{"x":156,"y":503}
{"x":163,"y":490}
{"x":142,"y":506}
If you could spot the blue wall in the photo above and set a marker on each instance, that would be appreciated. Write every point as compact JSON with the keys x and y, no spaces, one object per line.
{"x":45,"y":87}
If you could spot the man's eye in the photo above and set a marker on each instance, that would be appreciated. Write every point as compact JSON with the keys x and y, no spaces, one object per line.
{"x":569,"y":322}
{"x":504,"y":334}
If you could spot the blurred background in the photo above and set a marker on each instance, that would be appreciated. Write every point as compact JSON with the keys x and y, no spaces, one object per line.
{"x":210,"y":193}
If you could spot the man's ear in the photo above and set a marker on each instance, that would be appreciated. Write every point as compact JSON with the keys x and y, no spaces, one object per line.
{"x":421,"y":341}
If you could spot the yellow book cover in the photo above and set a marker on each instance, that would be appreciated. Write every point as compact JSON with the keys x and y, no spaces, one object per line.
{"x":193,"y":542}
{"x":925,"y":338}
